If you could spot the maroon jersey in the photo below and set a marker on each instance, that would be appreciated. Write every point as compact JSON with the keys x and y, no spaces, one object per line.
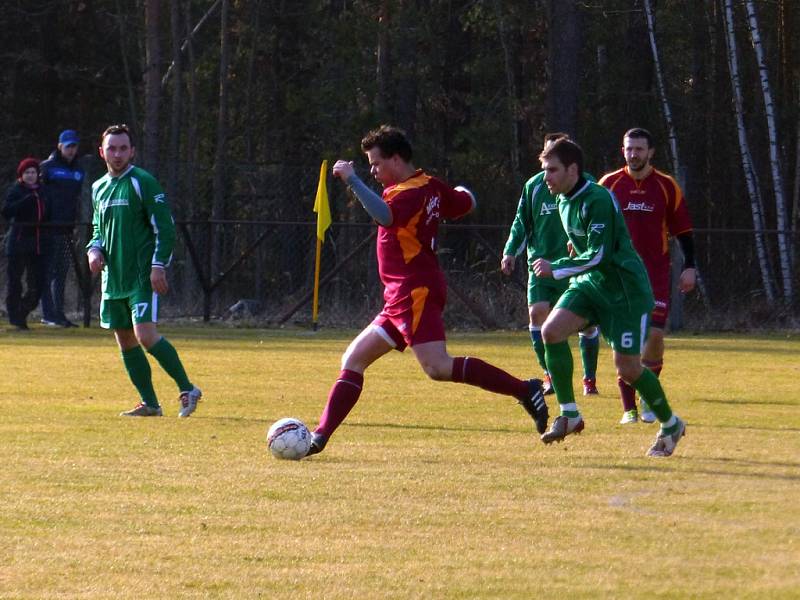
{"x":654,"y":209}
{"x":407,"y":248}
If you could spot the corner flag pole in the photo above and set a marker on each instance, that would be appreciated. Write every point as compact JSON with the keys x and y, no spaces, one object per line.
{"x":323,"y":210}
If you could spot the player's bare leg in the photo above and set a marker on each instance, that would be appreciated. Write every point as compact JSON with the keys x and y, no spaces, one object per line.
{"x":367,"y":347}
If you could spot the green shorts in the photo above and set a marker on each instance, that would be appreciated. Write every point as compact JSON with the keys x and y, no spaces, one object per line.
{"x":624,"y":322}
{"x":123,"y":313}
{"x":545,"y":289}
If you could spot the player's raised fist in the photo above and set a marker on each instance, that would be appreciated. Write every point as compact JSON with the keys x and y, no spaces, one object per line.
{"x":343,"y":169}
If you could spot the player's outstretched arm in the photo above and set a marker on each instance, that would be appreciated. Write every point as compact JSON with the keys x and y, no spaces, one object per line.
{"x":372,"y":203}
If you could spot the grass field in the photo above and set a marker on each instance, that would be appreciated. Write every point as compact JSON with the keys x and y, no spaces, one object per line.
{"x":429,"y":490}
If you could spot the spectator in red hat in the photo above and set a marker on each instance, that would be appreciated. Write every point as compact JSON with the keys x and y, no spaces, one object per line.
{"x":26,"y":208}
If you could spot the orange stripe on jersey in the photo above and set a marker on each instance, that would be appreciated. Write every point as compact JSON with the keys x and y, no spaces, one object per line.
{"x":418,"y":180}
{"x":418,"y":297}
{"x":407,"y":236}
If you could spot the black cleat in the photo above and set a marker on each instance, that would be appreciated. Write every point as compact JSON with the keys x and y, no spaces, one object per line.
{"x":318,"y":442}
{"x":535,"y":405}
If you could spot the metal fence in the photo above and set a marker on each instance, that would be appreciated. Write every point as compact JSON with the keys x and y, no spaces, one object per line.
{"x":264,"y":277}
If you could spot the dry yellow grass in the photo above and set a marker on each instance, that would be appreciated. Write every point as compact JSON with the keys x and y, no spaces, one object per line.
{"x":429,"y":490}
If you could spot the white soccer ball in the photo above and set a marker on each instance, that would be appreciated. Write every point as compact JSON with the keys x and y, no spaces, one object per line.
{"x":289,"y":439}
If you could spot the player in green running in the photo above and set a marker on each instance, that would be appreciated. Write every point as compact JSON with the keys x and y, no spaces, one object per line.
{"x":132,"y":241}
{"x":537,"y":228}
{"x":609,"y":288}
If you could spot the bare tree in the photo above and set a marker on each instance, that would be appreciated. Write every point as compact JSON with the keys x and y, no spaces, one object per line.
{"x":152,"y":87}
{"x":511,"y":92}
{"x":218,"y":203}
{"x":750,"y":175}
{"x":565,"y":37}
{"x":173,"y":162}
{"x":383,"y":71}
{"x":774,"y":159}
{"x":133,"y":117}
{"x":662,"y":92}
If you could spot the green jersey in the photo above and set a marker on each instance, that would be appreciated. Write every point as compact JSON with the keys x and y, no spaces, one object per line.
{"x":133,"y":226}
{"x":537,"y":225}
{"x":604,"y":258}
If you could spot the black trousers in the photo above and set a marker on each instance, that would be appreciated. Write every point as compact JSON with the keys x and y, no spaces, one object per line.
{"x":33,"y":268}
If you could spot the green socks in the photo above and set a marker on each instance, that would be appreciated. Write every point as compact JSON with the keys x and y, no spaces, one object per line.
{"x":590,"y":348}
{"x":139,"y":372}
{"x":559,"y":365}
{"x":538,"y":347}
{"x":650,"y":391}
{"x":167,"y":357}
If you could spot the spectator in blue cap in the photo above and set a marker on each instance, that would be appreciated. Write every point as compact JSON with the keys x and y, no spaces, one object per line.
{"x":63,"y":177}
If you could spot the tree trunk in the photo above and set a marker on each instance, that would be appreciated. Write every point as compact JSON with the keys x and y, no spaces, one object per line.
{"x":133,"y":116}
{"x":774,"y":158}
{"x":173,"y":155}
{"x":511,"y":92}
{"x":406,"y":61}
{"x":190,"y":280}
{"x":189,"y":37}
{"x":152,"y":87}
{"x":218,"y":204}
{"x":565,"y":38}
{"x":750,"y":177}
{"x":383,"y":74}
{"x":247,"y":112}
{"x":662,"y":92}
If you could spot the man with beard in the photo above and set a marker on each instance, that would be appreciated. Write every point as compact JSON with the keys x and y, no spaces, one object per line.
{"x":132,"y":241}
{"x":655,"y":210}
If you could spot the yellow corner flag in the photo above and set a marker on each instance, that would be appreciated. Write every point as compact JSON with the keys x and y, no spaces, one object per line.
{"x":321,"y":206}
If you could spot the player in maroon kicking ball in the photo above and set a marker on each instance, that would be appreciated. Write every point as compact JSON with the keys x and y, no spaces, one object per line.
{"x":415,"y":290}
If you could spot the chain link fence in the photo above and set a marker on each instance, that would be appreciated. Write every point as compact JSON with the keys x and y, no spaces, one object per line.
{"x":263,"y":276}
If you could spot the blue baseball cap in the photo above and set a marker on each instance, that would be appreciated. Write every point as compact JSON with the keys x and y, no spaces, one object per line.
{"x":68,"y":136}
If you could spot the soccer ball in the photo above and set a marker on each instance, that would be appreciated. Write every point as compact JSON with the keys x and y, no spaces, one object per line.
{"x":288,"y":439}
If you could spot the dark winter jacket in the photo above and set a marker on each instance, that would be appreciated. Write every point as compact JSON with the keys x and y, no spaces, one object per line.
{"x":25,"y":208}
{"x":64,"y":181}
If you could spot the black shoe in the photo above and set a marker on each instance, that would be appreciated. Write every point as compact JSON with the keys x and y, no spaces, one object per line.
{"x":66,"y":323}
{"x":535,"y":405}
{"x":318,"y":442}
{"x":19,"y":325}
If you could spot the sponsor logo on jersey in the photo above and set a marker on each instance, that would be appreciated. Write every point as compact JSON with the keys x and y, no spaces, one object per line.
{"x":160,"y":198}
{"x":597,"y":227}
{"x":432,"y":208}
{"x":108,"y":203}
{"x":547,"y":209}
{"x":640,"y":206}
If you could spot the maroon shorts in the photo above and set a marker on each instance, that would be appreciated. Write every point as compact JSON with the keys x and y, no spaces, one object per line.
{"x":415,"y":320}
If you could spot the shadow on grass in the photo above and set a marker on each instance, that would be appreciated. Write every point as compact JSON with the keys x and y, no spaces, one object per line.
{"x":746,"y":402}
{"x":659,"y":467}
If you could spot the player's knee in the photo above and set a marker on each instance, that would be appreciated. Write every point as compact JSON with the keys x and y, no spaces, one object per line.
{"x":436,"y":371}
{"x":629,"y":372}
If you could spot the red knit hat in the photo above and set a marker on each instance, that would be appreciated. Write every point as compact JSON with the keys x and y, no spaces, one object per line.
{"x":25,"y":164}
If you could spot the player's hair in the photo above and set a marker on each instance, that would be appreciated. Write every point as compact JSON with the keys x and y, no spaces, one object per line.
{"x":639,"y":132}
{"x":565,"y":150}
{"x":116,"y":129}
{"x":549,"y":138}
{"x":390,"y":141}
